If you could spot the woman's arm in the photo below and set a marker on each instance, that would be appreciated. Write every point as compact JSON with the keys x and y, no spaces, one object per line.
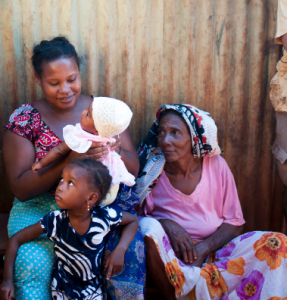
{"x":224,"y":234}
{"x":180,"y":240}
{"x":183,"y":245}
{"x":127,"y":152}
{"x":23,"y":236}
{"x":115,"y":261}
{"x":19,"y":156}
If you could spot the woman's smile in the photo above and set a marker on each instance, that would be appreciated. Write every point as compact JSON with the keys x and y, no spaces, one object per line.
{"x":66,"y":99}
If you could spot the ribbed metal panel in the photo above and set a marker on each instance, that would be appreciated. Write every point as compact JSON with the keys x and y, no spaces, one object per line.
{"x":218,"y":55}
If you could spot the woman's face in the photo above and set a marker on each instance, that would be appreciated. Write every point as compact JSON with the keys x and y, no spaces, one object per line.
{"x":61,"y":82}
{"x":174,"y":138}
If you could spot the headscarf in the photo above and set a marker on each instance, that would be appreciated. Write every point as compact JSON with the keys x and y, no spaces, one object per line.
{"x":203,"y":132}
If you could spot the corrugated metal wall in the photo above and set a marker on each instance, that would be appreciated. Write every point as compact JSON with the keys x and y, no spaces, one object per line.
{"x":218,"y":55}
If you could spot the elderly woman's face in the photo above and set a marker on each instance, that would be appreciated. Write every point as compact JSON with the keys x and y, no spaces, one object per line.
{"x":174,"y":138}
{"x":61,"y":82}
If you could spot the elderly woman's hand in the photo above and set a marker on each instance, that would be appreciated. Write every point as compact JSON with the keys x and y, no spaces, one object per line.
{"x":202,"y":252}
{"x":181,"y":241}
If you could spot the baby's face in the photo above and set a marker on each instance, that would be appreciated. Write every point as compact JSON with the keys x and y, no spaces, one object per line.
{"x":87,"y":122}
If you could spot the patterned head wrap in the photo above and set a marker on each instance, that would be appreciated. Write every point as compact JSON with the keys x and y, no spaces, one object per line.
{"x":203,"y":133}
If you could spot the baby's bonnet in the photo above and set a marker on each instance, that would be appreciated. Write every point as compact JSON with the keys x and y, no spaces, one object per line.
{"x":111,"y":116}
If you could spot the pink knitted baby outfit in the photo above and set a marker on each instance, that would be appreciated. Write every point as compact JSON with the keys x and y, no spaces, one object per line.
{"x":80,"y":141}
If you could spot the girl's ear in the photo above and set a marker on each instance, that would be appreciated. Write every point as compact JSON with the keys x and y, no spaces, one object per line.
{"x":93,"y":199}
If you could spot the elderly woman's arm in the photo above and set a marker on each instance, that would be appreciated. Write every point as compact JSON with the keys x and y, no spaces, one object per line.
{"x":224,"y":234}
{"x":184,"y":247}
{"x":180,"y":240}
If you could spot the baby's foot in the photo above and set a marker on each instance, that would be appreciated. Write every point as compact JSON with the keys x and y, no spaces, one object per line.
{"x":36,"y":166}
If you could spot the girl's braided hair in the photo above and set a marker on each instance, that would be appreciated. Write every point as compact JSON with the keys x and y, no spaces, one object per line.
{"x":99,"y":176}
{"x":54,"y":49}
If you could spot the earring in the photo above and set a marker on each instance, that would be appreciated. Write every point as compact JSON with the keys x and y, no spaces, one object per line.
{"x":88,"y":206}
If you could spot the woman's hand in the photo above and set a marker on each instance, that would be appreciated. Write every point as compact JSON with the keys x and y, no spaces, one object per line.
{"x":224,"y":234}
{"x":97,"y":152}
{"x":202,"y":253}
{"x":180,"y":240}
{"x":115,"y":146}
{"x":7,"y":290}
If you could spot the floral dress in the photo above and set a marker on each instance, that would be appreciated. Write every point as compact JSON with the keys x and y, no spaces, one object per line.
{"x":34,"y":261}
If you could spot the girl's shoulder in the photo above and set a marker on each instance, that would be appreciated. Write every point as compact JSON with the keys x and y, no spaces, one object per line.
{"x":107,"y":214}
{"x":52,"y":222}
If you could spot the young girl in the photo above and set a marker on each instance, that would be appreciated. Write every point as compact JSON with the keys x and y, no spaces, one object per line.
{"x":79,"y":232}
{"x":103,"y":119}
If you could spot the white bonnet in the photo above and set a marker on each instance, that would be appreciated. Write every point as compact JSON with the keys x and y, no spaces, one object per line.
{"x":111,"y":116}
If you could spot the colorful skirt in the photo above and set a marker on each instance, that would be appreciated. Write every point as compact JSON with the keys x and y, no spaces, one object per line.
{"x":252,"y":266}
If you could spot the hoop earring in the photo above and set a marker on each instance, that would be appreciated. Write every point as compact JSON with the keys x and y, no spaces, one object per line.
{"x":88,"y":206}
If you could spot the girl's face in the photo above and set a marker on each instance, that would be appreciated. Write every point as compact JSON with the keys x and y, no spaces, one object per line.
{"x":87,"y":122}
{"x":74,"y":190}
{"x":61,"y":83}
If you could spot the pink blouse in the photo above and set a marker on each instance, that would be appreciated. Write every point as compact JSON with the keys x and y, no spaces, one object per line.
{"x":213,"y":202}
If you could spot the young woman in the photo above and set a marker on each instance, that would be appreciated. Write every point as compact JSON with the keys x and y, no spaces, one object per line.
{"x":33,"y":130}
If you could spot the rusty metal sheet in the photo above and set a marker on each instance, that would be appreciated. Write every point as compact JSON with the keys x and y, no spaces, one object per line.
{"x":217,"y":55}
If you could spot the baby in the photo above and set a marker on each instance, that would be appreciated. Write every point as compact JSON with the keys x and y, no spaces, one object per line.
{"x":103,"y":119}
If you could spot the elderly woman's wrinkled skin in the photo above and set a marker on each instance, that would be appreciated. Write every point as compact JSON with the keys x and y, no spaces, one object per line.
{"x":184,"y":173}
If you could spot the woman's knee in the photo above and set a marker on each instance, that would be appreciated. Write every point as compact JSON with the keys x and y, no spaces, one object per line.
{"x":151,"y":227}
{"x":34,"y":259}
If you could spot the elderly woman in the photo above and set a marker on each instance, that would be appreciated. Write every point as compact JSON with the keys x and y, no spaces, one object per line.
{"x":33,"y":130}
{"x":193,"y":216}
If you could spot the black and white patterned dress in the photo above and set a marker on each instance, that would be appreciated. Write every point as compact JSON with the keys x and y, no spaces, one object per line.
{"x":77,"y":268}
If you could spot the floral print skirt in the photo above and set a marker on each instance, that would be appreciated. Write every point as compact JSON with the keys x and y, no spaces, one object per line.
{"x":252,"y":266}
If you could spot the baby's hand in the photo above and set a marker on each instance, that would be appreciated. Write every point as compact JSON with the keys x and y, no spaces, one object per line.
{"x":36,"y":166}
{"x":115,"y":262}
{"x":7,"y":290}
